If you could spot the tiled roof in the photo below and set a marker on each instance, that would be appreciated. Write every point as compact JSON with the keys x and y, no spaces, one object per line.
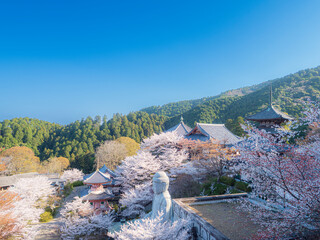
{"x":217,"y":132}
{"x":8,"y":181}
{"x":181,"y":129}
{"x":105,"y":170}
{"x":98,"y":196}
{"x":269,"y":113}
{"x":97,"y":177}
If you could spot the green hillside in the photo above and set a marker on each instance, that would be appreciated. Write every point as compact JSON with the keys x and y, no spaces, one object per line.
{"x":287,"y":91}
{"x":178,"y":108}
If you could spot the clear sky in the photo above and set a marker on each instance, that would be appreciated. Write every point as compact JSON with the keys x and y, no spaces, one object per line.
{"x":62,"y":60}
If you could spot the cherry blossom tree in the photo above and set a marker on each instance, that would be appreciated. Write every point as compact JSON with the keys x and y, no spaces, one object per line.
{"x":33,"y":193}
{"x":79,"y":220}
{"x":158,"y":153}
{"x":286,"y":175}
{"x":31,"y":198}
{"x":72,"y":175}
{"x":153,"y":229}
{"x":135,"y":199}
{"x":209,"y":158}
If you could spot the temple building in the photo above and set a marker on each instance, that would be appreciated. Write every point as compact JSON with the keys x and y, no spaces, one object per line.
{"x":206,"y":132}
{"x":110,"y":174}
{"x":269,"y":118}
{"x":97,"y":195}
{"x":181,"y":129}
{"x":217,"y":133}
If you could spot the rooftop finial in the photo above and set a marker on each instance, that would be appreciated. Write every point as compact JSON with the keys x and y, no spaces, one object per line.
{"x":270,"y":94}
{"x":181,"y":118}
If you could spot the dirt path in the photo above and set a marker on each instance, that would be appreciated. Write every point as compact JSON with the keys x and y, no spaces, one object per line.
{"x":51,"y":230}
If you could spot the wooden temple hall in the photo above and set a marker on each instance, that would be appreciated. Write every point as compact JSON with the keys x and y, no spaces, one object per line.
{"x":103,"y":188}
{"x":206,"y":132}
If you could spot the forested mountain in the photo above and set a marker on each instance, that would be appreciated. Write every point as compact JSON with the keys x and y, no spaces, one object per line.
{"x":178,"y":108}
{"x":78,"y":140}
{"x":287,"y":92}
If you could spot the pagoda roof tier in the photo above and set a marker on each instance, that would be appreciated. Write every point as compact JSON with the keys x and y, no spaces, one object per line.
{"x":181,"y":129}
{"x":97,"y":178}
{"x":97,"y":196}
{"x":105,"y":170}
{"x":269,"y":114}
{"x":217,"y":132}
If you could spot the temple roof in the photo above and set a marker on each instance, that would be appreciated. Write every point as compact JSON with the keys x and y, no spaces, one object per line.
{"x":217,"y":132}
{"x":98,"y":196}
{"x":105,"y":170}
{"x":269,"y":113}
{"x":97,"y":177}
{"x":181,"y":129}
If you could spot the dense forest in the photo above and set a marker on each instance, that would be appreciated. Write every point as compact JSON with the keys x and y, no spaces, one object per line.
{"x":77,"y":141}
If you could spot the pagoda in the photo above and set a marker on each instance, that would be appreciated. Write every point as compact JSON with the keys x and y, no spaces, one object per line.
{"x":269,"y":118}
{"x":97,"y":195}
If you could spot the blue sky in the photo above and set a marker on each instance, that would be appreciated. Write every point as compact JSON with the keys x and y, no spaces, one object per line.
{"x":61,"y":61}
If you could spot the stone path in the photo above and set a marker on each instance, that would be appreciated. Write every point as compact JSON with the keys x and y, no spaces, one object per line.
{"x":51,"y":230}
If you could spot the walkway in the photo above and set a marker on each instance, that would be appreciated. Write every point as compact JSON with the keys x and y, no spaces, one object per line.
{"x":51,"y":230}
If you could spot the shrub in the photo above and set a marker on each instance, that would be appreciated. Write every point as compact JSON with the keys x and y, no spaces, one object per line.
{"x":48,"y":209}
{"x":77,"y":183}
{"x":116,"y":207}
{"x":235,"y":191}
{"x":243,"y":186}
{"x":46,"y":216}
{"x":55,"y":211}
{"x":68,"y":189}
{"x":219,"y":189}
{"x":227,"y":180}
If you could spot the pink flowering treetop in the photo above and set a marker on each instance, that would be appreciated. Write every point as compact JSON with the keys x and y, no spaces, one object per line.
{"x":286,"y":175}
{"x":158,"y":153}
{"x":72,"y":175}
{"x":153,"y":229}
{"x":79,"y":220}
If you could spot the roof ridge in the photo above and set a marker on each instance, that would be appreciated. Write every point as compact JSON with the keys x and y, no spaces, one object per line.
{"x":99,"y":172}
{"x":213,"y":124}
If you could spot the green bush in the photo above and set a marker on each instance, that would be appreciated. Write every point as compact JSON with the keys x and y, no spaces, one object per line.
{"x":235,"y":191}
{"x":77,"y":183}
{"x":55,"y":211}
{"x":243,"y":186}
{"x":48,"y":209}
{"x":46,"y":216}
{"x":116,"y":207}
{"x":227,"y":180}
{"x":68,"y":189}
{"x":219,"y":189}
